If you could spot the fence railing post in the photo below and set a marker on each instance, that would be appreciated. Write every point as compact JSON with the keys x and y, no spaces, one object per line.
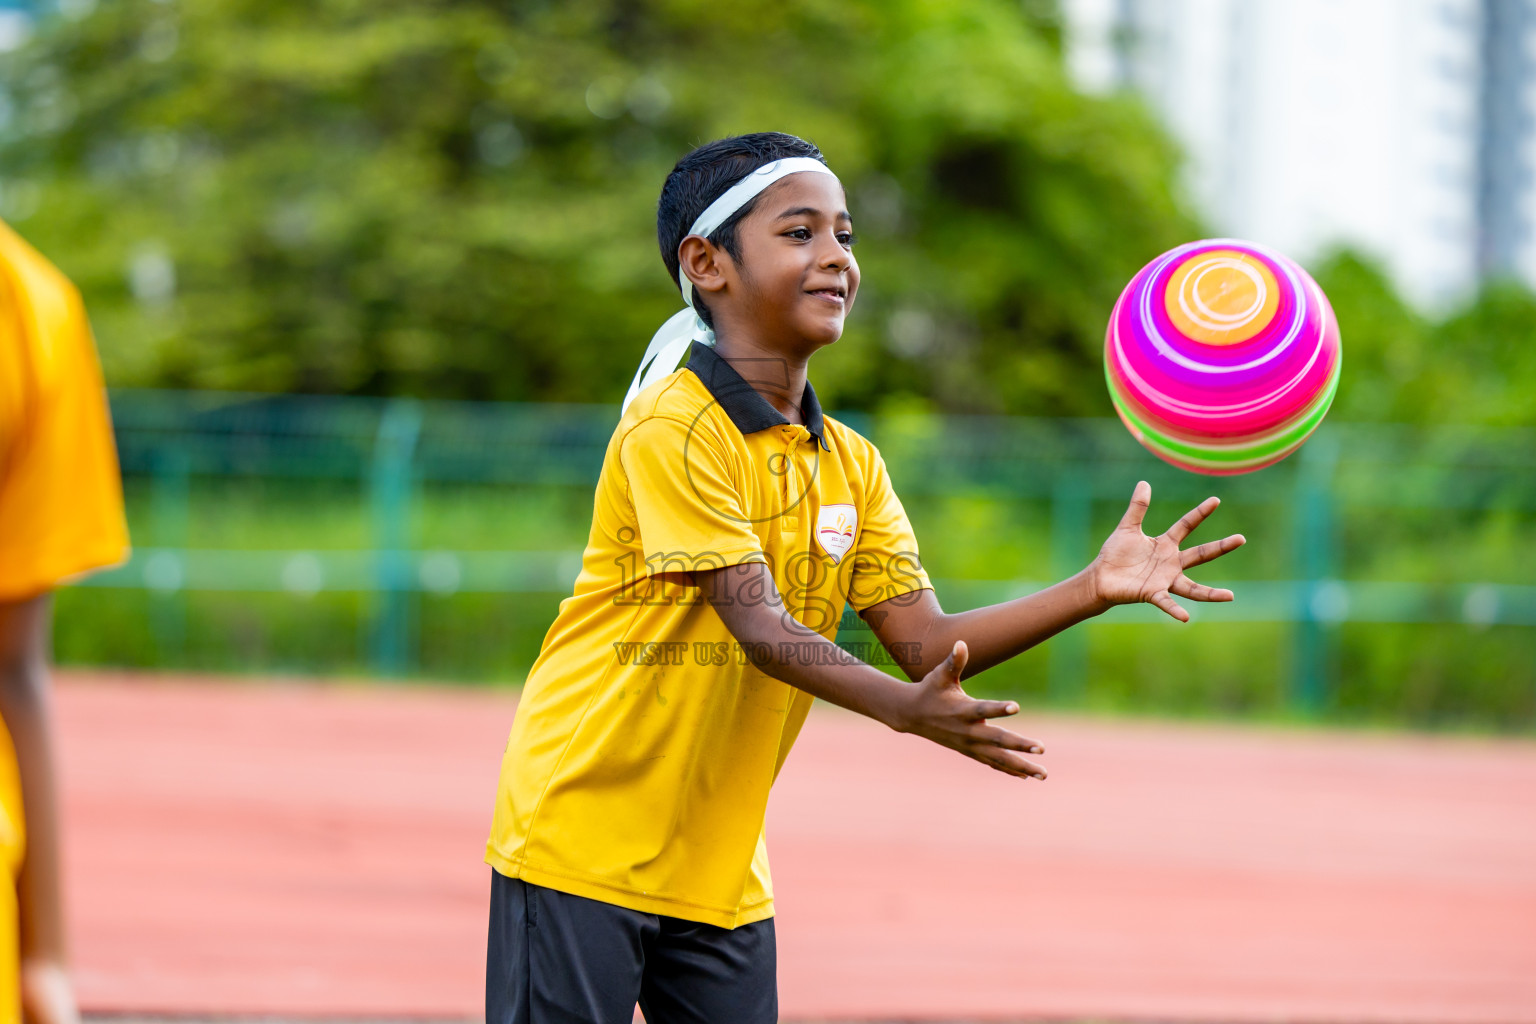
{"x":392,"y":629}
{"x":1071,"y":512}
{"x":1322,"y":601}
{"x":170,"y":498}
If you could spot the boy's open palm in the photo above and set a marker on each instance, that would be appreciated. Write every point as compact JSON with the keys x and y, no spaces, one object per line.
{"x":939,"y":710}
{"x":1133,"y":567}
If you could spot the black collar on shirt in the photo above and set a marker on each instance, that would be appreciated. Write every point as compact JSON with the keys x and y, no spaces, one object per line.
{"x":747,"y":409}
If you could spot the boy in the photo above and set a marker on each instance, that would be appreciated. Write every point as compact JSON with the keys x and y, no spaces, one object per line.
{"x":732,"y":523}
{"x":61,"y":513}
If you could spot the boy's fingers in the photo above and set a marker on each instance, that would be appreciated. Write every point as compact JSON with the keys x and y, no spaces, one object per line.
{"x":1209,"y":550}
{"x":953,"y":666}
{"x":992,"y":736}
{"x":994,"y":709}
{"x":1141,"y":499}
{"x":1186,"y":587}
{"x":958,"y":656}
{"x":1191,"y":519}
{"x":1013,"y":764}
{"x":1169,"y":605}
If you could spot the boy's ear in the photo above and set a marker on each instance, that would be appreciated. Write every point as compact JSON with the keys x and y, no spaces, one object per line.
{"x":703,"y":263}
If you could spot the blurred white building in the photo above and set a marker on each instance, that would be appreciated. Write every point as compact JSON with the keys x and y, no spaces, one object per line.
{"x":1401,"y":127}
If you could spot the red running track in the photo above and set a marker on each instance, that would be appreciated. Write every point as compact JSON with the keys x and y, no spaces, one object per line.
{"x":306,"y":851}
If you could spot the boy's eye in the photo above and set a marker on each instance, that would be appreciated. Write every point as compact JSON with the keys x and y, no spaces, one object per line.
{"x":845,"y":238}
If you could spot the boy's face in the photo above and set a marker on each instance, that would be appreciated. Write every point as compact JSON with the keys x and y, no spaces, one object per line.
{"x":797,"y":277}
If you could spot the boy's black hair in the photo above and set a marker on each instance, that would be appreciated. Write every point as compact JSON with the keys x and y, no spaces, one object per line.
{"x":703,"y":176}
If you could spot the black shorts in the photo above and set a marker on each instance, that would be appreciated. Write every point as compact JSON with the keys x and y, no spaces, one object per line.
{"x":554,"y":958}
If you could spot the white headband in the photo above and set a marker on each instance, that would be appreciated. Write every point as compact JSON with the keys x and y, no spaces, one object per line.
{"x":685,"y":326}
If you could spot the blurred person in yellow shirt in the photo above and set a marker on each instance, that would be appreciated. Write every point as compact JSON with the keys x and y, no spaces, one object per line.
{"x":61,"y":514}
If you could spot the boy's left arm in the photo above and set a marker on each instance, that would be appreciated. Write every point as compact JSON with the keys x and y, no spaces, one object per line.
{"x":1131,"y":567}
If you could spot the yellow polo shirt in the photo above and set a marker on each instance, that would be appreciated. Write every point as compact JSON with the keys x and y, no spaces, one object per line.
{"x":61,"y":502}
{"x":645,"y":743}
{"x":61,"y":505}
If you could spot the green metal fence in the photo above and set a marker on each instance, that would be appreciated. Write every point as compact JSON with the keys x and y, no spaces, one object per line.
{"x":1361,"y":526}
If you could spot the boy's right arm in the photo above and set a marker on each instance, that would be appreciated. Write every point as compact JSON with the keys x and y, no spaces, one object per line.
{"x":27,"y":708}
{"x":935,"y":707}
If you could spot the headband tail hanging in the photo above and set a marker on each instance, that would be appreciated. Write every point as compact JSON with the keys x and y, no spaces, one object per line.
{"x":665,"y":351}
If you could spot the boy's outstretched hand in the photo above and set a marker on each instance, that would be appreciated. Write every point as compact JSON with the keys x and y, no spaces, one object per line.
{"x":1133,"y":567}
{"x":939,"y":710}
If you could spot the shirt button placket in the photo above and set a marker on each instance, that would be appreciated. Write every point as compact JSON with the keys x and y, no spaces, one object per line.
{"x":790,"y":517}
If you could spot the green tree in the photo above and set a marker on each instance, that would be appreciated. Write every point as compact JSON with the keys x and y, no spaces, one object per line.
{"x":1386,"y":345}
{"x":1475,"y":366}
{"x":457,"y":198}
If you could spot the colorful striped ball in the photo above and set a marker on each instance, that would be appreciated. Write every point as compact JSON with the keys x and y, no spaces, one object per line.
{"x":1222,"y":356}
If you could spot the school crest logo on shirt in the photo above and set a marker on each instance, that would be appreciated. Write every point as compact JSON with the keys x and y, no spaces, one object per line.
{"x":835,"y":527}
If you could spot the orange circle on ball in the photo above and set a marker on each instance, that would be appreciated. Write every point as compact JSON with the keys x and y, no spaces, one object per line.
{"x":1222,"y":297}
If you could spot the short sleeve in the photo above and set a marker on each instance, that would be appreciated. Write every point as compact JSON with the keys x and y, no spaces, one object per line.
{"x":885,"y":562}
{"x":61,"y":502}
{"x":688,"y":507}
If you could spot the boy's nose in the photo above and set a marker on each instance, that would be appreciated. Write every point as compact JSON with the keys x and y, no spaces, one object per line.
{"x":835,"y":255}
